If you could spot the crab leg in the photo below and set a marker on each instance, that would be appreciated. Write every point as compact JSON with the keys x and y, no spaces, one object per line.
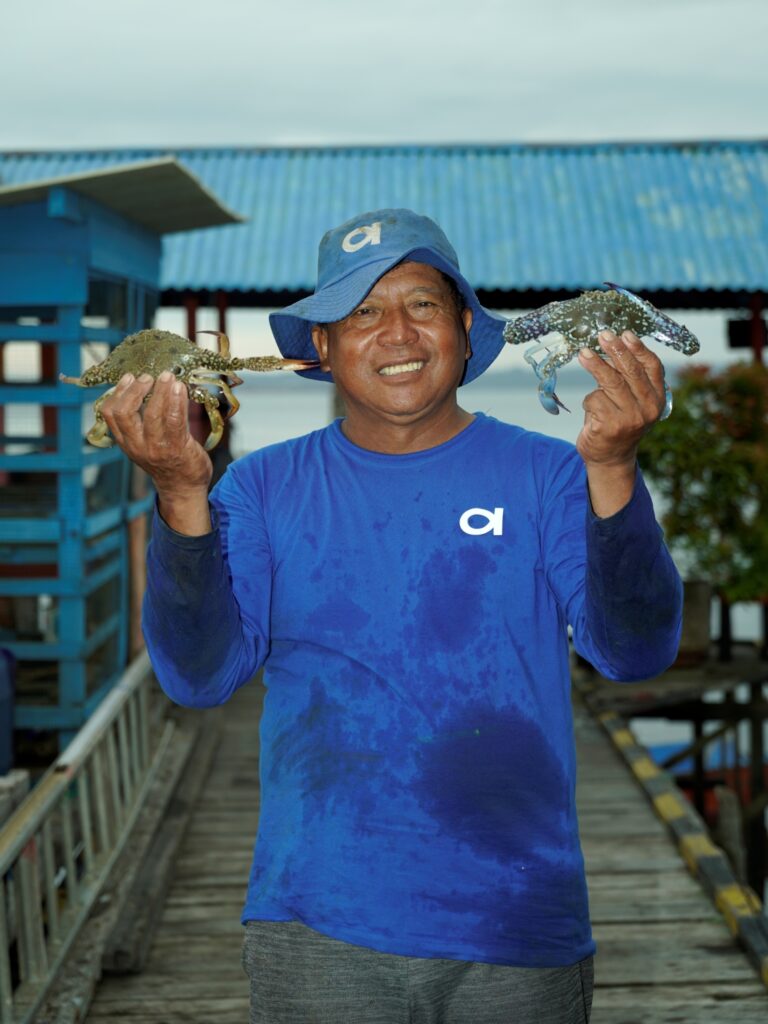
{"x":545,"y":371}
{"x":223,"y":342}
{"x":99,"y":435}
{"x":199,"y":377}
{"x":531,"y":326}
{"x":203,"y":397}
{"x":234,"y":405}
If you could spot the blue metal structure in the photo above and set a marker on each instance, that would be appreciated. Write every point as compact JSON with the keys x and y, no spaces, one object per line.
{"x":668,"y":217}
{"x":74,"y":274}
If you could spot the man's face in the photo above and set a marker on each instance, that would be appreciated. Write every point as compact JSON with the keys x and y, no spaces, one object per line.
{"x":399,"y":356}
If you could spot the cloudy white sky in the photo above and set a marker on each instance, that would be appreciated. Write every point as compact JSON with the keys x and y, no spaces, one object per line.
{"x":78,"y":73}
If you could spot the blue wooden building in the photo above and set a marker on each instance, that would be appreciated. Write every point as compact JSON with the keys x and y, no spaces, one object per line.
{"x":80,"y":259}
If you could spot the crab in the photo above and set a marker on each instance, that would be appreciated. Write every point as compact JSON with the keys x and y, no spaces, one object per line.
{"x":154,"y":351}
{"x":579,"y":322}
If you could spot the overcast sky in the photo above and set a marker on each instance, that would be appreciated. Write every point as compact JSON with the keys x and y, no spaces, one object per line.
{"x":77,"y":73}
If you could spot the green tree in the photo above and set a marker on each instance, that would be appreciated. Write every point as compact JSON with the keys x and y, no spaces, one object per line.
{"x":709,"y":463}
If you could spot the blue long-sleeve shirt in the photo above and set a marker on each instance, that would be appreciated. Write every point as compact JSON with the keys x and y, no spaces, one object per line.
{"x":411,"y":613}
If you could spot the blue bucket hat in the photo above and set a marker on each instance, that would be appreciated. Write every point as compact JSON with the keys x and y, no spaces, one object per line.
{"x":351,"y":260}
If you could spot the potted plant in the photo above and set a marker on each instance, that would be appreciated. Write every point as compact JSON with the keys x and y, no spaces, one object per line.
{"x":709,"y":465}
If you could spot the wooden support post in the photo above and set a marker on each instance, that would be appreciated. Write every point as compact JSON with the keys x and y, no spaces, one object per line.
{"x":724,"y":643}
{"x":757,"y":326}
{"x":221,"y":306}
{"x":48,"y":373}
{"x":191,"y":304}
{"x":698,"y":768}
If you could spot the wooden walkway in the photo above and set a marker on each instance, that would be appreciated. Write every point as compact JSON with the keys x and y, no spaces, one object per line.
{"x":665,"y":955}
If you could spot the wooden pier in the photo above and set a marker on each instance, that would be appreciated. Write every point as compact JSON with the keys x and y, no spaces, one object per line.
{"x":665,"y":953}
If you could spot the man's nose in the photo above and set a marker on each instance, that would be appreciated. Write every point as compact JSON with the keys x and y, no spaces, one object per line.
{"x":398,"y":328}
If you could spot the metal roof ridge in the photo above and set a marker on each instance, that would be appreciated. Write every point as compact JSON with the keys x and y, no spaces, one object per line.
{"x":174,"y":152}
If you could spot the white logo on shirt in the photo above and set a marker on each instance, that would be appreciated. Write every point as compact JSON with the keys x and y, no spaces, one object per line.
{"x":371,"y":236}
{"x":493,"y":521}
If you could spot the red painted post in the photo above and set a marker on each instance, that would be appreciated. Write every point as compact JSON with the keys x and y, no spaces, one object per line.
{"x":221,"y":306}
{"x":757,"y":326}
{"x":48,"y":370}
{"x":191,"y":303}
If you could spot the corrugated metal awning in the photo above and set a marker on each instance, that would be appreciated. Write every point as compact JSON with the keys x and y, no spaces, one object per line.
{"x":159,"y":194}
{"x":653,"y":217}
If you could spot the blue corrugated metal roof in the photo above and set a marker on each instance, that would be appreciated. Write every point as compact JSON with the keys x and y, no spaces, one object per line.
{"x":651,"y":216}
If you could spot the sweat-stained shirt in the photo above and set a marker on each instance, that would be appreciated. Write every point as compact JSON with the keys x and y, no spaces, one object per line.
{"x":410,"y":611}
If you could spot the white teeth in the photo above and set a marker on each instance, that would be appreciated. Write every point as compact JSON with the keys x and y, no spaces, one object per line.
{"x":390,"y":371}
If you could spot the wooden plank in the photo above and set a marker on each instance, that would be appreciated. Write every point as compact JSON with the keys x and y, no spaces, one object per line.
{"x":128,"y":945}
{"x":708,"y":1003}
{"x":216,"y":895}
{"x":669,"y":953}
{"x":649,"y":896}
{"x":189,"y":913}
{"x":232,"y":1012}
{"x":153,"y":986}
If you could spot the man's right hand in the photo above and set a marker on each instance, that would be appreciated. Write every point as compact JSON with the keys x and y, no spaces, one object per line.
{"x":156,"y":437}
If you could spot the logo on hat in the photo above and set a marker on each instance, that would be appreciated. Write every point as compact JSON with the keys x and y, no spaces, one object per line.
{"x":371,"y":235}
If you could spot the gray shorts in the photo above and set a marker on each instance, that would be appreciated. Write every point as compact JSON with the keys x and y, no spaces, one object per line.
{"x":299,"y":976}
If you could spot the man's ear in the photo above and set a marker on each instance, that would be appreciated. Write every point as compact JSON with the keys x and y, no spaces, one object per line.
{"x":320,"y":341}
{"x":466,"y":316}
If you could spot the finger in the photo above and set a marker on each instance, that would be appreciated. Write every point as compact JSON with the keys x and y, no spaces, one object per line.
{"x":625,"y":380}
{"x":632,"y":370}
{"x":650,"y":362}
{"x":604,"y":415}
{"x":606,"y":377}
{"x":122,"y":410}
{"x":643,"y":372}
{"x":166,"y":419}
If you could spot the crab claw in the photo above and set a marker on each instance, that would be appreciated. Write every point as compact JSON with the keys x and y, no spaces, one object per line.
{"x":301,"y":364}
{"x":264,"y":364}
{"x":548,"y":398}
{"x":69,"y":380}
{"x":99,"y":435}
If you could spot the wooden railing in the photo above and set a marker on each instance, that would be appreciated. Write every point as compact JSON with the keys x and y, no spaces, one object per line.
{"x":57,"y":849}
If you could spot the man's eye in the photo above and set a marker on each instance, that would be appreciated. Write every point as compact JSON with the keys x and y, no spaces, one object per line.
{"x":424,"y":307}
{"x":363,"y":311}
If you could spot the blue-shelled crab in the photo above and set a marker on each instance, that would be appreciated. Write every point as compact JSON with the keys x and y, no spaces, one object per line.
{"x":580,"y":321}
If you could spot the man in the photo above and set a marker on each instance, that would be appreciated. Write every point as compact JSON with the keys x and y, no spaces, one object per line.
{"x":406,"y":576}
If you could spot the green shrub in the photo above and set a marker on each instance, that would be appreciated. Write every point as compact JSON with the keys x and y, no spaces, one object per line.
{"x":709,"y":463}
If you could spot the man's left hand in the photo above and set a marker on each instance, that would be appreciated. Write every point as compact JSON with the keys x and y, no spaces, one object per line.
{"x":629,"y":399}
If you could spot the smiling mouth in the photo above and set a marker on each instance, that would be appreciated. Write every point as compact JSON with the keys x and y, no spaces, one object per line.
{"x":391,"y":371}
